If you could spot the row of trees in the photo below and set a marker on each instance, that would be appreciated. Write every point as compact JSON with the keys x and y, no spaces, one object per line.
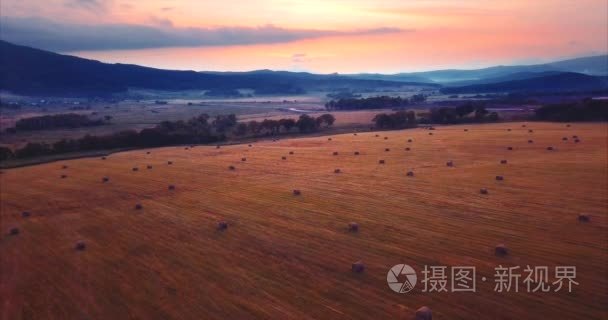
{"x":380,"y":102}
{"x":198,"y":130}
{"x":69,"y":120}
{"x":585,"y":110}
{"x":469,"y":112}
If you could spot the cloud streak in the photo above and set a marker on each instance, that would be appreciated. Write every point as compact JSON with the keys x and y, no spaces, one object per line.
{"x":46,"y":34}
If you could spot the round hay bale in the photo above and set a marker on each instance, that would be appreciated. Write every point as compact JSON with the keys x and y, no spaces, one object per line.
{"x":290,"y":152}
{"x":328,"y":139}
{"x":14,"y":231}
{"x":584,"y":218}
{"x":407,"y":149}
{"x":358,"y":267}
{"x":186,"y":148}
{"x":169,"y":162}
{"x":250,"y":146}
{"x":509,"y":129}
{"x":103,"y":158}
{"x":149,"y":167}
{"x":500,"y":178}
{"x":80,"y":246}
{"x":377,"y":135}
{"x":431,"y":128}
{"x":105,"y":179}
{"x":335,"y":153}
{"x":354,"y":134}
{"x":63,"y":176}
{"x":148,"y":152}
{"x":25,"y":214}
{"x":530,"y":141}
{"x":231,"y":168}
{"x":353,"y":227}
{"x":483,"y":191}
{"x":530,"y":130}
{"x":135,"y":169}
{"x":297,"y":192}
{"x":565,"y":139}
{"x":217,"y":147}
{"x":387,"y":150}
{"x":550,"y":148}
{"x":430,"y":133}
{"x":222,"y":225}
{"x":577,"y":140}
{"x":501,"y":250}
{"x":465,"y":130}
{"x":509,"y":148}
{"x":409,"y":140}
{"x":410,"y":173}
{"x":503,"y":161}
{"x":575,"y":137}
{"x":284,"y":158}
{"x":171,"y":187}
{"x":64,"y":167}
{"x":356,"y":153}
{"x":523,"y":125}
{"x":568,"y":125}
{"x":381,"y":162}
{"x":243,"y":159}
{"x":385,"y":138}
{"x":337,"y":171}
{"x":138,"y":206}
{"x":449,"y":163}
{"x":424,"y":313}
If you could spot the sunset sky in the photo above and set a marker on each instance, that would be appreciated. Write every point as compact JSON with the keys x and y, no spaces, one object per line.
{"x":322,"y":36}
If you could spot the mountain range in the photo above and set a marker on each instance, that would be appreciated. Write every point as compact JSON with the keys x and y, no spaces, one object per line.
{"x":30,"y":71}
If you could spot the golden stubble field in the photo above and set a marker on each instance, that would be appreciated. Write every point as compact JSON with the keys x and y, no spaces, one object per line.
{"x":289,"y":257}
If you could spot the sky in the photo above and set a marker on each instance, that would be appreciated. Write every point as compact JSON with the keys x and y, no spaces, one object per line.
{"x":322,"y":36}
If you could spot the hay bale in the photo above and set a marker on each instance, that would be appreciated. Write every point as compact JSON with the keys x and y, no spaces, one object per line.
{"x":501,"y":250}
{"x":328,"y":139}
{"x":577,"y":140}
{"x":25,"y":214}
{"x":171,"y":187}
{"x":169,"y":162}
{"x":290,"y":152}
{"x":64,"y":167}
{"x":430,"y":133}
{"x":500,"y":178}
{"x":250,"y":146}
{"x":105,"y":179}
{"x":431,"y":128}
{"x":297,"y":192}
{"x":409,"y":140}
{"x":217,"y":147}
{"x":385,"y":138}
{"x":353,"y":227}
{"x":335,"y":153}
{"x":337,"y":171}
{"x":387,"y":150}
{"x":483,"y":191}
{"x":186,"y":148}
{"x":449,"y":163}
{"x":530,"y":141}
{"x":138,"y":206}
{"x":381,"y":162}
{"x":574,"y":137}
{"x":135,"y":169}
{"x":509,"y":148}
{"x":284,"y":158}
{"x":148,"y":152}
{"x":568,"y":125}
{"x":565,"y":139}
{"x":407,"y":149}
{"x":509,"y":129}
{"x":354,"y":134}
{"x":424,"y":313}
{"x":243,"y":159}
{"x":356,"y":153}
{"x":149,"y":167}
{"x":410,"y":173}
{"x":14,"y":231}
{"x":523,"y":125}
{"x":80,"y":246}
{"x":465,"y":130}
{"x":63,"y":176}
{"x":103,"y":158}
{"x":222,"y":225}
{"x":358,"y":267}
{"x":530,"y":131}
{"x":503,"y":161}
{"x":377,"y":135}
{"x":584,"y":218}
{"x":550,"y":148}
{"x":231,"y":168}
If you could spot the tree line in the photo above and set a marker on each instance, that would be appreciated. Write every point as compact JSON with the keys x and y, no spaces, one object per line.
{"x":379,"y":102}
{"x":68,"y":120}
{"x":465,"y":113}
{"x":585,"y":110}
{"x":202,"y":129}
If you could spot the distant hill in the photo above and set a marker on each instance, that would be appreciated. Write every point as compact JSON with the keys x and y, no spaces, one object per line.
{"x":562,"y":82}
{"x":595,"y":65}
{"x":25,"y":70}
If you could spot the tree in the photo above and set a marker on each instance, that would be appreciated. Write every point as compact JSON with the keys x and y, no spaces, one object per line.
{"x":5,"y":153}
{"x":326,"y":118}
{"x":288,"y":124}
{"x":306,"y":123}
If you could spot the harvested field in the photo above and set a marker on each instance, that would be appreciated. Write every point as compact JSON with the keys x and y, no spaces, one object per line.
{"x":288,"y":257}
